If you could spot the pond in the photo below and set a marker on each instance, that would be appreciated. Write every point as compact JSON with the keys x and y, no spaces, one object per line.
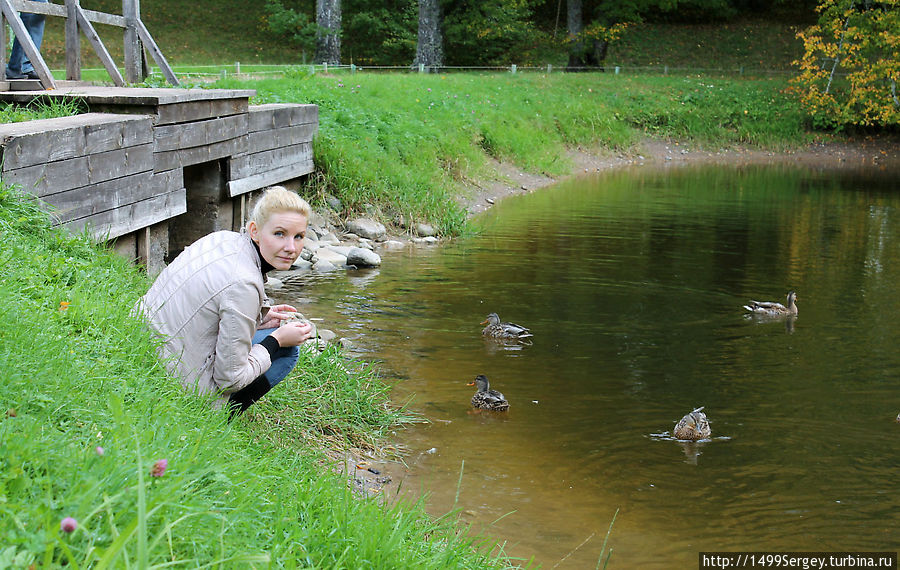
{"x":632,"y":283}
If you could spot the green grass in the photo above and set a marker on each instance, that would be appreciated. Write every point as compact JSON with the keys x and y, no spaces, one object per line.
{"x":251,"y":493}
{"x":411,"y":144}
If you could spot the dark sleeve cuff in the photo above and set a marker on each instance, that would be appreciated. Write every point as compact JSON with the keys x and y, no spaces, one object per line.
{"x":270,"y":343}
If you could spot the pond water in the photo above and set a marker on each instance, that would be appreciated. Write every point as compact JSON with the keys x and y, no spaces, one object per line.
{"x":633,"y":284}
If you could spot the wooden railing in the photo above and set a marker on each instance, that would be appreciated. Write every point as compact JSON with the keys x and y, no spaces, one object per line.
{"x":136,"y":38}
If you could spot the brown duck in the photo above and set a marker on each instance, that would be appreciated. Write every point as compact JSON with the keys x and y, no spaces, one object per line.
{"x":498,"y":329}
{"x":486,"y":398}
{"x":773,"y":309}
{"x":693,"y":426}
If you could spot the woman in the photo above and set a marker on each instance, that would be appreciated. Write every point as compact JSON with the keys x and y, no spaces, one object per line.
{"x":220,"y":337}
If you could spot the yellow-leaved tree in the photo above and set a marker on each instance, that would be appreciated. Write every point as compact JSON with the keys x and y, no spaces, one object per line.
{"x":850,"y":71}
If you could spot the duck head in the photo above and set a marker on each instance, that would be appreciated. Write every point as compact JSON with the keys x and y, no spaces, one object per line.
{"x":492,"y":319}
{"x":481,"y":382}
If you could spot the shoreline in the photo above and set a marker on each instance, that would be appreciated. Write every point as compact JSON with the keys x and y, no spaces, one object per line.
{"x":881,"y":153}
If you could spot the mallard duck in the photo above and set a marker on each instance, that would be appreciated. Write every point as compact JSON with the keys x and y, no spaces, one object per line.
{"x":497,"y":329}
{"x":693,"y":426}
{"x":773,"y":309}
{"x":485,"y":398}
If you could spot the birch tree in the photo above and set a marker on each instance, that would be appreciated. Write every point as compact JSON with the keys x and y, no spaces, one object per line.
{"x":328,"y":31}
{"x":429,"y":47}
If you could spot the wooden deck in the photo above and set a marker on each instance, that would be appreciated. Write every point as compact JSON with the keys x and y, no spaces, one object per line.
{"x":120,"y":169}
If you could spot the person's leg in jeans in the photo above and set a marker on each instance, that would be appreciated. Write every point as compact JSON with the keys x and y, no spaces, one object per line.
{"x":19,"y":65}
{"x":283,"y":361}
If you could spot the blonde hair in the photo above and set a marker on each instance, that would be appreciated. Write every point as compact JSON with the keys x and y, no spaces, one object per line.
{"x":277,"y":199}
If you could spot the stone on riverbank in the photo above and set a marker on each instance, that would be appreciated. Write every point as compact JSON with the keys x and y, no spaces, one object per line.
{"x":367,"y":228}
{"x":363,"y":258}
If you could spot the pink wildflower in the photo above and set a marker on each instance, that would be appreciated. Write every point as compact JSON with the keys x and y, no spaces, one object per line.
{"x":68,"y":524}
{"x":159,"y":468}
{"x":100,"y":451}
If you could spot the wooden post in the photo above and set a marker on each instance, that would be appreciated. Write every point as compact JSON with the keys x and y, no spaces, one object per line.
{"x":131,"y":10}
{"x":73,"y":42}
{"x":3,"y":59}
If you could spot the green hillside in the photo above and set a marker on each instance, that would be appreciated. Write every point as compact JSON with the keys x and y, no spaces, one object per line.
{"x":229,"y":31}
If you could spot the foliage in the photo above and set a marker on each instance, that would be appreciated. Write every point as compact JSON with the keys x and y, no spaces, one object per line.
{"x":379,"y":33}
{"x":851,"y":66}
{"x":105,"y":462}
{"x":488,"y":32}
{"x":295,"y":26}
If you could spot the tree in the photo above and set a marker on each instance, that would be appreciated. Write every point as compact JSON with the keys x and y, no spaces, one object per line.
{"x":328,"y":31}
{"x":588,"y":45}
{"x":430,"y":45}
{"x":489,"y":32}
{"x":850,"y":70}
{"x":292,"y":24}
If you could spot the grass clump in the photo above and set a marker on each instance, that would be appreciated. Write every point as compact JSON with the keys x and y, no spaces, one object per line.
{"x":87,"y":416}
{"x":410,"y":144}
{"x":40,"y":109}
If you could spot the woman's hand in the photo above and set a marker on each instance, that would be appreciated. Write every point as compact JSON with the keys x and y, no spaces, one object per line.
{"x":293,"y":334}
{"x":277,"y":314}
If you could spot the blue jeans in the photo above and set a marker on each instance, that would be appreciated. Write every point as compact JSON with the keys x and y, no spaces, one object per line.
{"x":19,"y":64}
{"x":283,"y":361}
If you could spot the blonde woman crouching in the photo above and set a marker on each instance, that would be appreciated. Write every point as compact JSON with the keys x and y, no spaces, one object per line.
{"x":220,"y":336}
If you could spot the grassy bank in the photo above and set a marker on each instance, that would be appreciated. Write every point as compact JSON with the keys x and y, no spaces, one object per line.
{"x":88,"y":413}
{"x":409,"y":144}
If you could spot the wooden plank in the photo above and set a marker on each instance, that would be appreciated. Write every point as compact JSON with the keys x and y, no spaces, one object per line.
{"x":61,"y":175}
{"x":121,"y":134}
{"x":274,"y":115}
{"x":57,"y":10}
{"x":36,"y":142}
{"x":94,"y":39}
{"x":249,"y":164}
{"x":267,"y":140}
{"x":34,"y":55}
{"x":118,"y":163}
{"x":155,"y":52}
{"x":121,"y":221}
{"x":168,"y":160}
{"x":184,"y":112}
{"x":87,"y":201}
{"x":64,"y":174}
{"x":198,"y":133}
{"x":276,"y":176}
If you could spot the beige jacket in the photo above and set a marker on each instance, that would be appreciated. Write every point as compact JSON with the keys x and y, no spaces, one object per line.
{"x":206,"y":306}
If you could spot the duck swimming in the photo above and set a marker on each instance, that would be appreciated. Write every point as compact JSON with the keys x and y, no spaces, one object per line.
{"x":485,"y":398}
{"x":693,"y":426}
{"x":773,"y":309}
{"x":497,"y":329}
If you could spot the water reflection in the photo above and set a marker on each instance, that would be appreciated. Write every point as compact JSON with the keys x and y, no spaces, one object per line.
{"x":633,"y":285}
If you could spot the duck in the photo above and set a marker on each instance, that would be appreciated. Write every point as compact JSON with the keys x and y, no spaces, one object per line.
{"x":486,"y":398}
{"x":497,"y":329}
{"x":773,"y":309}
{"x":693,"y":426}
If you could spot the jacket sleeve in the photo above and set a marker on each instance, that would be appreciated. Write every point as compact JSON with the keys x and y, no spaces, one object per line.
{"x":237,"y":361}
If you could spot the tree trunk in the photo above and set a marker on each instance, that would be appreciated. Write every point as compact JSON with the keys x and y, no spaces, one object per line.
{"x":430,"y":45}
{"x":328,"y":32}
{"x":576,"y":42}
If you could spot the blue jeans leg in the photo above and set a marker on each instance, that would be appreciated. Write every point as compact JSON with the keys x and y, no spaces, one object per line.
{"x":19,"y":64}
{"x":283,"y":361}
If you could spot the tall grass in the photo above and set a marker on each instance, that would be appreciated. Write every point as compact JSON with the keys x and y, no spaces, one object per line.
{"x":87,"y":411}
{"x":410,"y":144}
